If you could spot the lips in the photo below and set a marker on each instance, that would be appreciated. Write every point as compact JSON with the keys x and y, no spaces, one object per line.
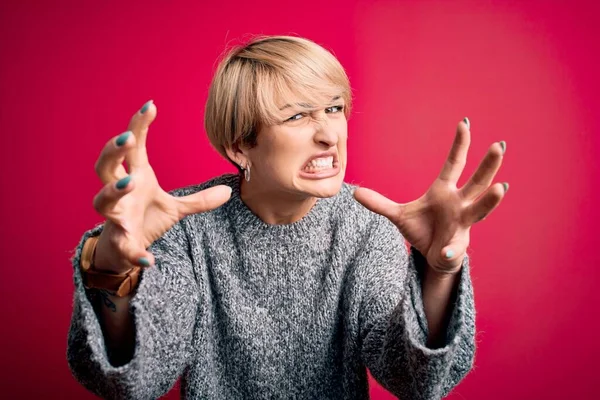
{"x":321,"y":166}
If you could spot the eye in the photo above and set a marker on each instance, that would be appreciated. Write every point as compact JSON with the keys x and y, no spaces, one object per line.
{"x":334,"y":109}
{"x":295,"y":117}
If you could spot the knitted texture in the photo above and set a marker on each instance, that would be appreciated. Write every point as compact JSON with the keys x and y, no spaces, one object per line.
{"x":240,"y":309}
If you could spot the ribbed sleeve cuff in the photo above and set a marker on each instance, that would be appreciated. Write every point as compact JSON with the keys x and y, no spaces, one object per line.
{"x":87,"y":350}
{"x":462,"y":318}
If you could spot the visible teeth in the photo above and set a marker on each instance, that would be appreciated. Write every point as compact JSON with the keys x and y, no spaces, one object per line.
{"x":320,"y":163}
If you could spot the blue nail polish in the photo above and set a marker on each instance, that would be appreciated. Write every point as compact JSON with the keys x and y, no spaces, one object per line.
{"x":122,"y":183}
{"x":503,"y":145}
{"x":449,"y":254}
{"x":505,"y":184}
{"x":123,"y":138}
{"x":145,"y":107}
{"x":144,"y":262}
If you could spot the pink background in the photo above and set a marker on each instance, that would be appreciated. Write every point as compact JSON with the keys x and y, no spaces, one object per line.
{"x":524,"y":72}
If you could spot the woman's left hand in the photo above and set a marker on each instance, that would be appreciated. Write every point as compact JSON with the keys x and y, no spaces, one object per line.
{"x":438,"y":223}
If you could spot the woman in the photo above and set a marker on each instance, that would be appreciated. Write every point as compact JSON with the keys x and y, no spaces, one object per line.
{"x":277,"y":282}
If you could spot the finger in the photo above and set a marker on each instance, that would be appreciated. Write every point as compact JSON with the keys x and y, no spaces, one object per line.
{"x":203,"y":201}
{"x":481,"y":208}
{"x":137,"y":255}
{"x":139,"y":124}
{"x":131,"y":251}
{"x":452,"y":255}
{"x":109,"y":166}
{"x":484,"y":174}
{"x":110,"y":194}
{"x":457,"y":158}
{"x":378,"y":203}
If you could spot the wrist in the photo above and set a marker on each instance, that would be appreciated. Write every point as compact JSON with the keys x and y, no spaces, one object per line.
{"x":102,"y":260}
{"x":439,"y":275}
{"x":119,"y":284}
{"x":444,"y":272}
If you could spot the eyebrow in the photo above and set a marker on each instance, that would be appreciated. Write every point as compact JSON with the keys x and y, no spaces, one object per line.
{"x":306,"y":105}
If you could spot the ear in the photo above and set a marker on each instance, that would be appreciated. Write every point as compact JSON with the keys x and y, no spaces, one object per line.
{"x":238,"y":155}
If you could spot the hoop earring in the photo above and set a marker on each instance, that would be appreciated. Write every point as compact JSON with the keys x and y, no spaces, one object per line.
{"x":247,"y":172}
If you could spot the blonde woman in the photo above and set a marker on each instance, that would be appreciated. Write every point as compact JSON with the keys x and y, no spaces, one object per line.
{"x":281,"y":281}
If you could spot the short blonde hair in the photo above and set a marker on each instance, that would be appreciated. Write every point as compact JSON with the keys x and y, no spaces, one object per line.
{"x":253,"y":82}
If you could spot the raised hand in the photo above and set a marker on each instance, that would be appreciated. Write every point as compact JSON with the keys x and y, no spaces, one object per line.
{"x":439,"y":222}
{"x":137,"y":210}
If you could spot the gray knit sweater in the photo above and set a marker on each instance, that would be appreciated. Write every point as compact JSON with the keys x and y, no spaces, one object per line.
{"x":240,"y":309}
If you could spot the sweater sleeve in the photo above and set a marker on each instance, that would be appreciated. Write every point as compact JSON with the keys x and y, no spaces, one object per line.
{"x":164,"y":310}
{"x":393,"y":326}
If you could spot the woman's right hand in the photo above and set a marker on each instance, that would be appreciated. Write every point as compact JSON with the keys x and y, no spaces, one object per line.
{"x":137,"y":210}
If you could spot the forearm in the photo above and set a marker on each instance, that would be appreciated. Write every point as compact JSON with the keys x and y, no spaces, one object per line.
{"x":117,"y":326}
{"x":439,"y":294}
{"x":140,"y":349}
{"x":115,"y":318}
{"x":419,"y":363}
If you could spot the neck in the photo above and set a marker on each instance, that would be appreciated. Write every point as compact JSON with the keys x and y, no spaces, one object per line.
{"x":274,"y":207}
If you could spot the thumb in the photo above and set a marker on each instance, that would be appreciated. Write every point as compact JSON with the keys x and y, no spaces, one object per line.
{"x":452,"y":255}
{"x":205,"y":200}
{"x":377,"y":203}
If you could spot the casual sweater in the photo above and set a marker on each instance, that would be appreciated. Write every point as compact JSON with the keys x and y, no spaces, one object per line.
{"x":240,"y":309}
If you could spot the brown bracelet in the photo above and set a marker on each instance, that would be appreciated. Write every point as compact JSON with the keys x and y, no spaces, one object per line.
{"x":119,"y":285}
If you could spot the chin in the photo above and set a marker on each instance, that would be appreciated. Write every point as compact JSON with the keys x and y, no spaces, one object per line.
{"x":324,"y":188}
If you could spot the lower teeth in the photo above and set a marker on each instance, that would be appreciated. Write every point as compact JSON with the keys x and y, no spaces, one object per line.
{"x":315,"y":169}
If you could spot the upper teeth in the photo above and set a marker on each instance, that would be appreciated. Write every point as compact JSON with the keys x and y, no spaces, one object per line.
{"x":321,"y":162}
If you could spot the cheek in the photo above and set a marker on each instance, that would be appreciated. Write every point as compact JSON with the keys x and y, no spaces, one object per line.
{"x":343,"y":140}
{"x":342,"y":130}
{"x":293,"y":148}
{"x":283,"y":162}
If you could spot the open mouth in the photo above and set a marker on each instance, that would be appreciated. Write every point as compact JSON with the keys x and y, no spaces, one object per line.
{"x":319,"y":164}
{"x":323,"y":166}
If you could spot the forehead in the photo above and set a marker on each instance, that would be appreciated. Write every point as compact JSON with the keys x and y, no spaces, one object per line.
{"x":297,"y":102}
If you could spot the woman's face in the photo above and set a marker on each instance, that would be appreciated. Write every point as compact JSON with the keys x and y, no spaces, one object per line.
{"x":304,"y":155}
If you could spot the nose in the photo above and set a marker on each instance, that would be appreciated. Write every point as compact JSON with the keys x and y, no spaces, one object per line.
{"x":324,"y":133}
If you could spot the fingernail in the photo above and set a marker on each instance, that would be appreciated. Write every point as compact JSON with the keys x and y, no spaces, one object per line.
{"x":145,"y":106}
{"x":449,"y":254}
{"x":122,"y":183}
{"x":123,"y":138}
{"x":505,"y":184}
{"x":466,"y":121}
{"x":503,"y":145}
{"x":143,"y":261}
